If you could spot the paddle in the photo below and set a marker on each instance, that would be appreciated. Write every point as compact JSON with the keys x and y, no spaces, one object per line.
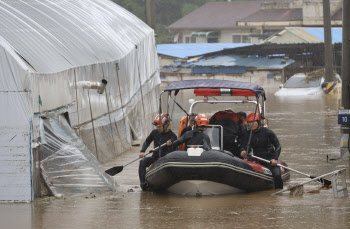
{"x":117,"y":169}
{"x":321,"y":180}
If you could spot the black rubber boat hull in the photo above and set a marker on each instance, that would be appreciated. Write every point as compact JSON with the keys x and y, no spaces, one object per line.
{"x":216,"y":166}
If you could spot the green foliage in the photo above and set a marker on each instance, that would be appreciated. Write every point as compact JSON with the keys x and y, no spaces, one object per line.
{"x":188,"y":8}
{"x":167,"y":12}
{"x":136,"y":7}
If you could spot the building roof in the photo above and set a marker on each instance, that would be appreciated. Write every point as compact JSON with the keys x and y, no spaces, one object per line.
{"x":228,"y":63}
{"x":304,"y":35}
{"x":250,"y":62}
{"x":338,"y":15}
{"x":217,"y":15}
{"x":196,"y":49}
{"x":275,"y":15}
{"x":53,"y":36}
{"x":337,"y":33}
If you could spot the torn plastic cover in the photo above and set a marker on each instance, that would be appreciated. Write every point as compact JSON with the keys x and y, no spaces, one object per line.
{"x":68,"y":166}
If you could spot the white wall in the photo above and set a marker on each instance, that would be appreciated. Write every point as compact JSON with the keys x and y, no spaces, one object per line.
{"x":15,"y":127}
{"x":225,"y":35}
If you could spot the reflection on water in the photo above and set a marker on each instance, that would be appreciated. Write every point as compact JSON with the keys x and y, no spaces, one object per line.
{"x":308,"y":131}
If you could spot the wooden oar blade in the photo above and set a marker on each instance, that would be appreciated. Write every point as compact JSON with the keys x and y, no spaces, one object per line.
{"x":115,"y":170}
{"x":323,"y":181}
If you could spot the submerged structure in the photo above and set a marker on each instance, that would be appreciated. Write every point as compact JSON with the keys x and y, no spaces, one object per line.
{"x":77,"y":80}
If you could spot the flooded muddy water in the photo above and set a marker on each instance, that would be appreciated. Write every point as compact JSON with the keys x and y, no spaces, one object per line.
{"x":308,"y":132}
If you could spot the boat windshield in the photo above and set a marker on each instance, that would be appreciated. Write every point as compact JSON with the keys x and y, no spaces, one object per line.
{"x":215,"y":134}
{"x":302,"y":82}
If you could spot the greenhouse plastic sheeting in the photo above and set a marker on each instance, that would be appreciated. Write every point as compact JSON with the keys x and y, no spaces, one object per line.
{"x":67,"y":165}
{"x":47,"y":48}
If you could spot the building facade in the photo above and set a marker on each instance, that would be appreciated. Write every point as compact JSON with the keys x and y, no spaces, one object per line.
{"x":250,"y":21}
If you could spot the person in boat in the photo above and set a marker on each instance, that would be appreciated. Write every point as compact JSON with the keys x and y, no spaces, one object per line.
{"x":158,"y":136}
{"x":186,"y":124}
{"x":233,"y":130}
{"x":191,"y":123}
{"x":196,"y":137}
{"x":265,"y":144}
{"x":243,"y":117}
{"x":245,"y":130}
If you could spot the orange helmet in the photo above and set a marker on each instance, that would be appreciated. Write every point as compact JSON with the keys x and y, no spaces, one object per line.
{"x":251,"y":117}
{"x":201,"y":120}
{"x":164,"y":119}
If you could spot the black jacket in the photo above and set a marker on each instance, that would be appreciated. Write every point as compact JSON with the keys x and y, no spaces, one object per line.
{"x":234,"y":134}
{"x":159,"y":139}
{"x":187,"y":128}
{"x":195,"y":137}
{"x":265,"y":144}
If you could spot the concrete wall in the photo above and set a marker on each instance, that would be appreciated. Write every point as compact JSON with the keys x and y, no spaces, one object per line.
{"x":277,"y":24}
{"x":165,"y":60}
{"x":225,"y":37}
{"x":282,"y":5}
{"x":313,"y":11}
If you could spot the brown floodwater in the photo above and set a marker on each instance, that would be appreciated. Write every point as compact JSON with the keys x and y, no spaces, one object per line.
{"x":308,"y":132}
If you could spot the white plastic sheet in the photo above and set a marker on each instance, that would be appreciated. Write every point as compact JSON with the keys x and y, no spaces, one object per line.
{"x":46,"y":48}
{"x":67,"y":165}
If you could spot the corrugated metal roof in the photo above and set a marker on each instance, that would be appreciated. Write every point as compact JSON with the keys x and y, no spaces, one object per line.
{"x":69,"y":33}
{"x":218,"y":70}
{"x":337,"y":33}
{"x":250,"y":61}
{"x":214,"y":15}
{"x":196,"y":49}
{"x":275,"y":15}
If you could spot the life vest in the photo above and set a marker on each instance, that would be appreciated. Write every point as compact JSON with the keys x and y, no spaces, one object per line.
{"x":227,"y":114}
{"x":183,"y":124}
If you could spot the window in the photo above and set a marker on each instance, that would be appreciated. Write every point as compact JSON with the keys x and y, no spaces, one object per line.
{"x":213,"y":40}
{"x":187,"y":40}
{"x":236,"y":38}
{"x":245,"y":39}
{"x":193,"y":39}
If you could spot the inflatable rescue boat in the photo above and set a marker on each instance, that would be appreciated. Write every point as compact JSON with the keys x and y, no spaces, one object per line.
{"x":213,"y":172}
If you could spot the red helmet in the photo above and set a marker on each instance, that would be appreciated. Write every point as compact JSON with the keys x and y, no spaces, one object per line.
{"x":164,"y":119}
{"x":201,"y":120}
{"x":251,"y":117}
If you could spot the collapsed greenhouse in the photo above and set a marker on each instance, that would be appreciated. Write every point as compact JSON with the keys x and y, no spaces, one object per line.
{"x":78,"y":78}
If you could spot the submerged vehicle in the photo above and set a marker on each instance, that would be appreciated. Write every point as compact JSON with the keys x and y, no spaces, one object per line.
{"x":215,"y":171}
{"x":301,"y":85}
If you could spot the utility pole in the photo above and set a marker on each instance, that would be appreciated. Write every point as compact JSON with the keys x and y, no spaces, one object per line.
{"x":345,"y":56}
{"x":328,"y":51}
{"x":344,"y":113}
{"x":151,"y":14}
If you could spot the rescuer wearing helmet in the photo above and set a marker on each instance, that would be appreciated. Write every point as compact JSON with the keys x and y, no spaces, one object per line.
{"x":158,"y":136}
{"x":265,"y":144}
{"x":191,"y":124}
{"x":197,"y":135}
